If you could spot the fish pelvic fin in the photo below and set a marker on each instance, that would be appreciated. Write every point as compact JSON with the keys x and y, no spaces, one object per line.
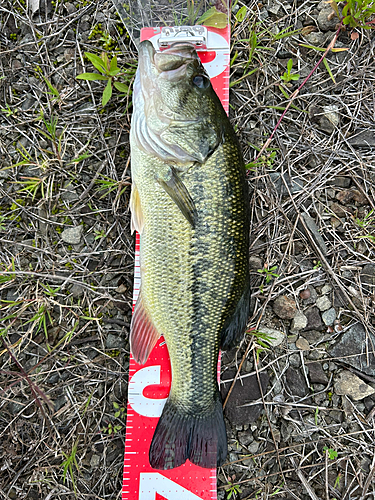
{"x":176,"y":189}
{"x":143,"y":334}
{"x":235,"y":324}
{"x":180,"y":436}
{"x":137,"y":220}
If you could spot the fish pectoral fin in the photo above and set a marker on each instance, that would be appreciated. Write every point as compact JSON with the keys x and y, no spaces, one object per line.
{"x":137,"y":220}
{"x":143,"y":334}
{"x":176,"y":189}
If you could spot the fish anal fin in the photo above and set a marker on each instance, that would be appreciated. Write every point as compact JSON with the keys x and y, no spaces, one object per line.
{"x":143,"y":334}
{"x":176,"y":189}
{"x":137,"y":220}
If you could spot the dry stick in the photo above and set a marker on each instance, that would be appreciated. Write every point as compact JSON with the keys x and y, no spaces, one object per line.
{"x":296,"y":92}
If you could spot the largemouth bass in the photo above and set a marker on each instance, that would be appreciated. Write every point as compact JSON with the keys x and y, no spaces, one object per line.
{"x":189,"y":203}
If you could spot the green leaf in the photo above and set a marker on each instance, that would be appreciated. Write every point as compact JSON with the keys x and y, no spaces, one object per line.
{"x":113,"y":64}
{"x":214,"y":18}
{"x":240,"y":16}
{"x":329,"y":70}
{"x":97,"y":62}
{"x":290,"y":65}
{"x":114,"y":72}
{"x":294,"y":77}
{"x":107,"y":93}
{"x":91,"y":76}
{"x":121,"y":86}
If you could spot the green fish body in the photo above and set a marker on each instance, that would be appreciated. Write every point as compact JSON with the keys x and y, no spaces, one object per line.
{"x":190,"y":205}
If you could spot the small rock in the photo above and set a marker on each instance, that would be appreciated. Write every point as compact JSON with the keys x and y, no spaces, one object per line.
{"x":314,"y":232}
{"x":302,"y":344}
{"x":245,"y":437}
{"x":359,"y":197}
{"x":338,"y":210}
{"x":255,"y":263}
{"x":295,"y":360}
{"x":314,"y":320}
{"x":15,"y":407}
{"x":284,"y":184}
{"x":253,"y":447}
{"x":317,"y":374}
{"x":275,"y":336}
{"x":367,"y":277}
{"x":59,"y":402}
{"x":284,"y":307}
{"x":114,"y":342}
{"x":335,"y":223}
{"x":341,"y":181}
{"x":312,"y":298}
{"x":363,"y":139}
{"x":326,"y":289}
{"x":296,"y":382}
{"x":345,"y":196}
{"x":316,"y":38}
{"x":244,"y":392}
{"x":28,"y":102}
{"x":299,"y":322}
{"x":72,"y":235}
{"x":349,"y":384}
{"x":327,"y":19}
{"x":329,"y":316}
{"x":351,"y":347}
{"x":77,"y":290}
{"x":68,"y":193}
{"x":95,"y":461}
{"x":305,"y":294}
{"x":323,"y":303}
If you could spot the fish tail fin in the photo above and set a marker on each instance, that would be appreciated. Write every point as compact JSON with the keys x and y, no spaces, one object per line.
{"x":180,"y":436}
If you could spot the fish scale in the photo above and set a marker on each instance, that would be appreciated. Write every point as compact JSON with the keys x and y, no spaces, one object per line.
{"x":194,"y":255}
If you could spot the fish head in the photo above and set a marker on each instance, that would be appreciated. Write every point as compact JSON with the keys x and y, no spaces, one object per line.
{"x":177,"y":115}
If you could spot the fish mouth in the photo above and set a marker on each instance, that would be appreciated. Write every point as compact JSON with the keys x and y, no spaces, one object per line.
{"x":170,"y":64}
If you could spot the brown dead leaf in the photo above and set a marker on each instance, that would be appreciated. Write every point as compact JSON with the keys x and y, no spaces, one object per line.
{"x":307,"y":30}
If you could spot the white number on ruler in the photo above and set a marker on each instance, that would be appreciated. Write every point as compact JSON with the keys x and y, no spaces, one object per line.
{"x":150,"y":375}
{"x":153,"y":482}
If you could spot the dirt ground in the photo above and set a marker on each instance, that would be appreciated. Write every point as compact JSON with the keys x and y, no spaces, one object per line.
{"x":301,"y":404}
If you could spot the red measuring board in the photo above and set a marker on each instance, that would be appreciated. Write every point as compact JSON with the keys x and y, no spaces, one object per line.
{"x":149,"y":384}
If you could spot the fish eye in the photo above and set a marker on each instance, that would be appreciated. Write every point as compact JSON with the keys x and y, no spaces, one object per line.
{"x":201,"y":81}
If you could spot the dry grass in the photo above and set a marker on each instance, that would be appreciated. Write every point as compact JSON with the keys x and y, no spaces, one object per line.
{"x":65,"y":307}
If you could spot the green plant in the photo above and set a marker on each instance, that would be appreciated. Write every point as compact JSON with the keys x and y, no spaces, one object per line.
{"x":69,"y":462}
{"x":55,"y":94}
{"x":107,"y":185}
{"x":109,"y":72}
{"x":32,"y":185}
{"x":8,"y":111}
{"x":269,"y":273}
{"x":99,"y":233}
{"x":120,"y":410}
{"x":232,"y":490}
{"x":111,"y":429}
{"x":325,"y":62}
{"x":366,"y":221}
{"x":355,"y":13}
{"x":332,"y":454}
{"x":288,"y":76}
{"x":266,"y":160}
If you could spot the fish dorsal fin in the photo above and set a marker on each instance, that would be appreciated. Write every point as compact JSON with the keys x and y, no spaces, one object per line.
{"x":137,"y":221}
{"x":143,"y":334}
{"x":176,"y":189}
